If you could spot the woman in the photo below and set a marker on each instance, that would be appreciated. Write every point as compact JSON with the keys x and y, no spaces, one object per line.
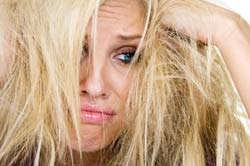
{"x":122,"y":82}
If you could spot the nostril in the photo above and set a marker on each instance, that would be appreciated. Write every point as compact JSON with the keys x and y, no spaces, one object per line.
{"x":93,"y":94}
{"x":104,"y":95}
{"x":83,"y":92}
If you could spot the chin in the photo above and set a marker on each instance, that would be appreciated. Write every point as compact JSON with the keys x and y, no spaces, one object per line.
{"x":92,"y":147}
{"x":92,"y":139}
{"x":88,"y":146}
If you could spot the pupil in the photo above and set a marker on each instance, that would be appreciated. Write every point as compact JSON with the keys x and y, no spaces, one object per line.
{"x":127,"y":57}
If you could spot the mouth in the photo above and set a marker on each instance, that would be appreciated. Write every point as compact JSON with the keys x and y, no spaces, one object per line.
{"x":92,"y":114}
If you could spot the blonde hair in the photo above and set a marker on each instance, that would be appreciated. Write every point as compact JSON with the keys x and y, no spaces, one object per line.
{"x":183,"y":100}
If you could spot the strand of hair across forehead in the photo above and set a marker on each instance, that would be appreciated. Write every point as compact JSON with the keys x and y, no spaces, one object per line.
{"x":137,"y":52}
{"x":145,"y":27}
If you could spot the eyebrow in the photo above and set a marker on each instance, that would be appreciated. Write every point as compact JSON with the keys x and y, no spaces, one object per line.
{"x":129,"y":37}
{"x":122,"y":37}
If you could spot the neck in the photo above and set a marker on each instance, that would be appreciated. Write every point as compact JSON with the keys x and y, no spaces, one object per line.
{"x":88,"y":159}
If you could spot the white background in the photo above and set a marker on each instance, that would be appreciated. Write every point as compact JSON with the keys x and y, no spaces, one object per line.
{"x":240,"y":6}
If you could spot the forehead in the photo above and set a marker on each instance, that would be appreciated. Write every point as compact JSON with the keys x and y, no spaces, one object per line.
{"x":122,"y":15}
{"x":122,"y":8}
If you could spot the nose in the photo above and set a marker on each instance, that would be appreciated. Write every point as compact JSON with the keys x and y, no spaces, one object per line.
{"x":92,"y":84}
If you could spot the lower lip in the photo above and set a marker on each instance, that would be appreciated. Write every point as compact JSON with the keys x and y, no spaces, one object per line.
{"x":95,"y":117}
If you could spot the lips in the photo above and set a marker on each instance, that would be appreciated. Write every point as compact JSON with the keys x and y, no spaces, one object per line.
{"x":93,"y":114}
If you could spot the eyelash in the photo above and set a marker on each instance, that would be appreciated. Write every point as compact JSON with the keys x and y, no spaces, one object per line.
{"x":127,"y":56}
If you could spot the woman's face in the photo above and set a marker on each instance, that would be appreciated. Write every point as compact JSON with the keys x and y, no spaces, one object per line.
{"x":104,"y":89}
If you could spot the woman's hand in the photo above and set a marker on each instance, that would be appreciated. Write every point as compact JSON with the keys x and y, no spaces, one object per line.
{"x":225,"y":29}
{"x":201,"y":20}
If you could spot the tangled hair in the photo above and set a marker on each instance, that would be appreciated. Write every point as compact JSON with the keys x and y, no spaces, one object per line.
{"x":184,"y":105}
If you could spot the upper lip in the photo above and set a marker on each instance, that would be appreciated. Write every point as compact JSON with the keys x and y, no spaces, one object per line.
{"x":97,"y":109}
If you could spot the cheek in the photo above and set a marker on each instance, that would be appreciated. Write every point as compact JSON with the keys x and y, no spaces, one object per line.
{"x":121,"y":85}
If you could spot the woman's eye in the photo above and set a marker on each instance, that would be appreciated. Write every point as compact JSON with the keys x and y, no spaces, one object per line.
{"x":126,"y":57}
